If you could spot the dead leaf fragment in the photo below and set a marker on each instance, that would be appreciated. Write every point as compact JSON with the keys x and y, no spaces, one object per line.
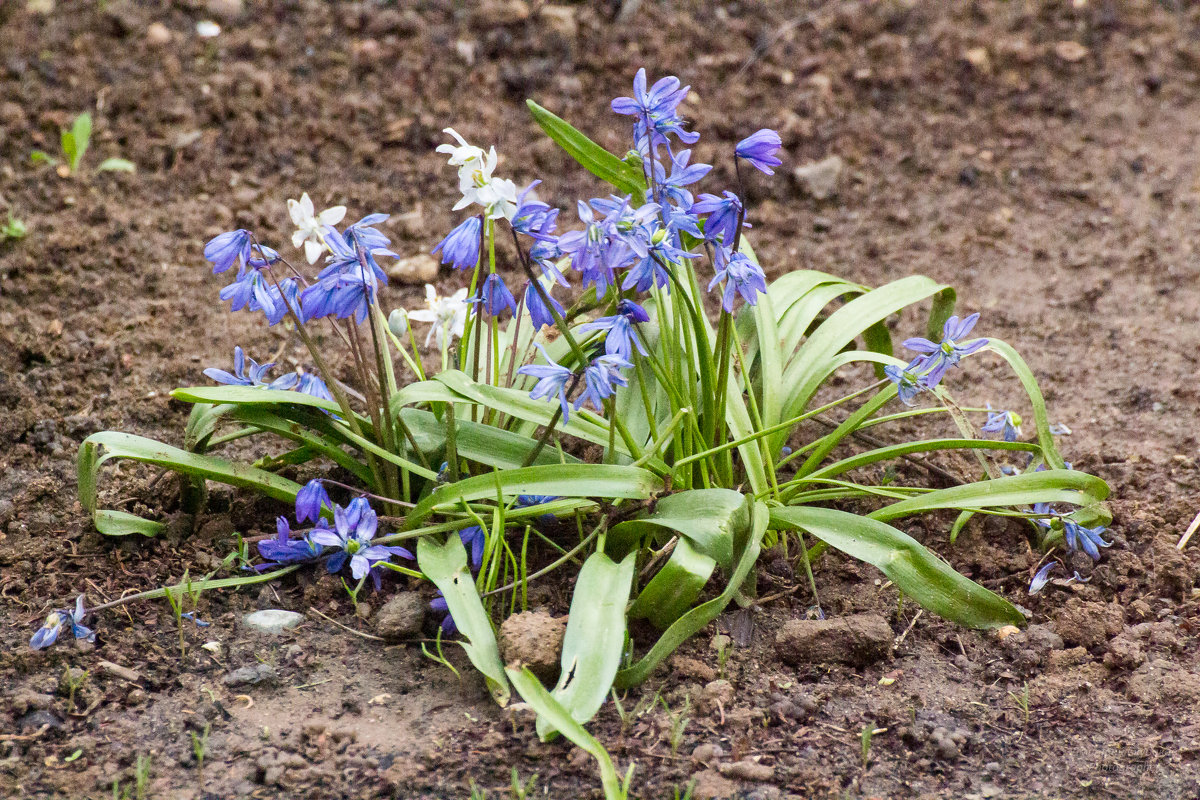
{"x":1070,"y":51}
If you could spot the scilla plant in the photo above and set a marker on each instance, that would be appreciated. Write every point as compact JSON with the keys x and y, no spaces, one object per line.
{"x":650,"y":432}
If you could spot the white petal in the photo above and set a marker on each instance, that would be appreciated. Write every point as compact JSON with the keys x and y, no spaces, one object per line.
{"x":313,"y":250}
{"x":295,"y":212}
{"x":332,"y":215}
{"x":306,"y":203}
{"x":423,"y":315}
{"x":298,"y":238}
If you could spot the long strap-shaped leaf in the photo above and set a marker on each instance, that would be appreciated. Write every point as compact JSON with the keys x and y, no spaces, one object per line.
{"x":595,"y":638}
{"x":100,"y":447}
{"x":1049,"y":486}
{"x":708,"y":517}
{"x":572,"y":480}
{"x":915,"y":570}
{"x":446,"y":565}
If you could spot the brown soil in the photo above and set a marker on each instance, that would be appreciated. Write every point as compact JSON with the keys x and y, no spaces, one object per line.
{"x":1055,"y":186}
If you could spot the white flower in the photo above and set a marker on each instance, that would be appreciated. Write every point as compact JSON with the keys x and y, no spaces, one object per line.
{"x":448,"y":315}
{"x":464,"y":154}
{"x":311,"y":227}
{"x":498,"y":197}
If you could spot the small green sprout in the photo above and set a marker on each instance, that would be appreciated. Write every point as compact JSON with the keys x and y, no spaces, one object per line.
{"x":74,"y":143}
{"x":200,"y":745}
{"x":868,"y":733}
{"x":1021,"y":701}
{"x":519,"y":790}
{"x":14,"y":229}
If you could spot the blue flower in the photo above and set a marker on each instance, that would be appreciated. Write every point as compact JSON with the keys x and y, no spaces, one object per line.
{"x":1042,"y":577}
{"x":48,"y":633}
{"x":723,"y":215}
{"x":759,"y":148}
{"x":908,"y":383}
{"x":941,"y":356}
{"x":311,"y":499}
{"x":227,"y":249}
{"x":460,"y":248}
{"x":670,"y":187}
{"x":495,"y":296}
{"x":546,"y":255}
{"x":353,"y":529}
{"x":1089,"y":540}
{"x":285,"y":297}
{"x":1005,"y":422}
{"x":587,"y":249}
{"x":601,"y":379}
{"x":283,"y":549}
{"x":655,"y":111}
{"x":534,"y":218}
{"x":311,"y":384}
{"x":254,"y":377}
{"x":552,"y":380}
{"x":741,"y":276}
{"x":539,"y":312}
{"x":621,"y":335}
{"x":253,"y":291}
{"x":474,"y":539}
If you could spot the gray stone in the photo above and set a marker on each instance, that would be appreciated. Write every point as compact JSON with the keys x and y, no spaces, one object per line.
{"x":272,"y":621}
{"x":820,"y":178}
{"x":244,"y":676}
{"x":401,"y":617}
{"x":857,"y":640}
{"x":226,"y":9}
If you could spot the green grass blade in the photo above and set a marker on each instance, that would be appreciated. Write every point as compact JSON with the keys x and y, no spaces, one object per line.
{"x":595,"y":637}
{"x":75,"y":141}
{"x":1029,"y":382}
{"x":916,"y":571}
{"x":446,"y":565}
{"x":477,"y":442}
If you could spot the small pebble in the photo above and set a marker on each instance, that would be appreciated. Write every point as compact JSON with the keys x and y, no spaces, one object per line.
{"x":272,"y":620}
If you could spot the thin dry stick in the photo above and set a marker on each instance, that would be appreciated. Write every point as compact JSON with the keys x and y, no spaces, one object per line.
{"x":1188,"y":533}
{"x":345,"y":627}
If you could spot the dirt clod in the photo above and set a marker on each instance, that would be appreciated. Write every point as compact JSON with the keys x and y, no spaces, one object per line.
{"x":748,"y":770}
{"x":401,"y":617}
{"x":535,"y":639}
{"x":858,"y":640}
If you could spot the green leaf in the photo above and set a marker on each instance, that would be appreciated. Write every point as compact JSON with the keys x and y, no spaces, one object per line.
{"x":533,"y":693}
{"x":747,"y":546}
{"x":566,"y":480}
{"x":916,"y":571}
{"x":100,"y":447}
{"x":116,"y":165}
{"x":253,"y":395}
{"x":673,"y":589}
{"x":595,"y":638}
{"x":41,"y":157}
{"x":75,"y":141}
{"x":595,"y":159}
{"x":477,"y":442}
{"x":707,"y":517}
{"x":1049,"y":486}
{"x":942,"y":310}
{"x":446,"y":565}
{"x":121,"y":523}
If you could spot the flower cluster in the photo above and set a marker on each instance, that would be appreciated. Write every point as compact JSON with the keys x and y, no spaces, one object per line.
{"x":348,"y":541}
{"x":627,"y":246}
{"x":1076,"y":536}
{"x":927,"y":370}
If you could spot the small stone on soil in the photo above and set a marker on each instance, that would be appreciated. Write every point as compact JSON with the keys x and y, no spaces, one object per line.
{"x":748,"y":770}
{"x":250,"y":675}
{"x":857,"y":640}
{"x":272,"y":621}
{"x":820,"y":178}
{"x":401,"y":617}
{"x":418,"y":269}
